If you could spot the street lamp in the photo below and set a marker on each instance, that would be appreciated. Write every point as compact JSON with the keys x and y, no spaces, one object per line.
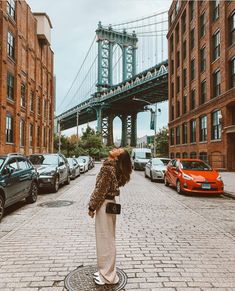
{"x":155,"y":121}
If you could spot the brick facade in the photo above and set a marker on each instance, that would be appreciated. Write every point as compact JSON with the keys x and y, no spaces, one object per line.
{"x":213,"y":107}
{"x":31,"y":67}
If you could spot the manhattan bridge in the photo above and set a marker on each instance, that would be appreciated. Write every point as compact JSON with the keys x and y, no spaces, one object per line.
{"x":124,"y":69}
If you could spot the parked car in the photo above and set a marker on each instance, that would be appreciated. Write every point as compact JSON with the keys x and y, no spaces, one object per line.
{"x":155,"y":169}
{"x":193,"y":175}
{"x":140,"y":157}
{"x":53,"y":170}
{"x":18,"y":180}
{"x":84,"y":163}
{"x":91,"y":163}
{"x":74,"y":168}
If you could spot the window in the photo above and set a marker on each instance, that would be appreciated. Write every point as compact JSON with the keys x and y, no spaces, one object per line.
{"x":31,"y":101}
{"x":184,"y":104}
{"x":177,"y":6}
{"x":215,"y":9}
{"x":216,"y":45}
{"x":10,"y":86}
{"x":192,"y":103}
{"x":172,"y":136}
{"x":23,"y":95}
{"x":178,"y":59}
{"x":192,"y":39}
{"x":193,"y":155}
{"x":203,"y":92}
{"x":203,"y":156}
{"x":184,"y":22}
{"x":172,"y":155}
{"x":177,"y":34}
{"x":172,"y":43}
{"x":44,"y":137}
{"x":172,"y":67}
{"x":192,"y":69}
{"x":9,"y":129}
{"x":45,"y":109}
{"x":172,"y":113}
{"x":177,"y":155}
{"x":22,"y":132}
{"x":232,"y":73}
{"x":10,"y":45}
{"x":191,"y":9}
{"x":202,"y":25}
{"x":178,"y":135}
{"x":31,"y":135}
{"x":185,"y":77}
{"x":216,"y":83}
{"x":23,"y":165}
{"x":11,"y":8}
{"x":232,"y":28}
{"x":203,"y":59}
{"x":193,"y":131}
{"x":172,"y":90}
{"x":39,"y":106}
{"x":38,"y":136}
{"x":185,"y":132}
{"x":177,"y":84}
{"x":178,"y":108}
{"x":184,"y":50}
{"x":185,"y":155}
{"x":216,"y":126}
{"x":203,"y":128}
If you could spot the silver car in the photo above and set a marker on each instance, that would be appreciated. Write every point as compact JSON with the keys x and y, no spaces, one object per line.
{"x":155,"y":169}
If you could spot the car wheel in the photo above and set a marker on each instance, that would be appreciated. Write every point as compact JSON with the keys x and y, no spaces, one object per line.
{"x":166,"y":183}
{"x":151,"y":177}
{"x":33,"y":193}
{"x":67,"y":182}
{"x":2,"y":202}
{"x":178,"y":187}
{"x":56,"y":184}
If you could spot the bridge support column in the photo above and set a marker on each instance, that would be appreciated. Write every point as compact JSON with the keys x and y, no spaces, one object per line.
{"x":124,"y":130}
{"x":99,"y":118}
{"x":134,"y":130}
{"x":107,"y":129}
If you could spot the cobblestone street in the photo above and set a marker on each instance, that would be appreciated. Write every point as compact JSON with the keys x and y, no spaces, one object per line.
{"x":165,"y":241}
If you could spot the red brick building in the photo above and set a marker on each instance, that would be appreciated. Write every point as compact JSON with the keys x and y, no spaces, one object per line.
{"x":26,"y":80}
{"x":201,"y":41}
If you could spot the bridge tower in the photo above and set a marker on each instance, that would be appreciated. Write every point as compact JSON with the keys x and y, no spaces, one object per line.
{"x":107,"y":38}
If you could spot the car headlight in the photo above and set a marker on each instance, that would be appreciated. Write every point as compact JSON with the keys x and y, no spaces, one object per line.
{"x":187,"y":177}
{"x":219,"y":178}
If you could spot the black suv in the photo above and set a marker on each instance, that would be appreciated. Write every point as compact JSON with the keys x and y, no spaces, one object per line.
{"x":53,"y":170}
{"x":18,"y":180}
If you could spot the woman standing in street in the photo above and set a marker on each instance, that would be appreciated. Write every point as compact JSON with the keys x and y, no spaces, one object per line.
{"x":114,"y":173}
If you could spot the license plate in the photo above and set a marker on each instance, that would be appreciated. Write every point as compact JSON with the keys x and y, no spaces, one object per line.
{"x":206,"y":186}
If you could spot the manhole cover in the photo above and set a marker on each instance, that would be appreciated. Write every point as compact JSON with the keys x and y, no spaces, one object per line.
{"x":81,"y":279}
{"x":58,"y":203}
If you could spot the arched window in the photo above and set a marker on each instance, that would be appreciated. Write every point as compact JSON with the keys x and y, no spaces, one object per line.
{"x":178,"y":155}
{"x":193,"y":155}
{"x":185,"y":155}
{"x":203,"y":156}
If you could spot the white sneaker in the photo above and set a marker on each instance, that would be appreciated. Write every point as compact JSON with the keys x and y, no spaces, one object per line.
{"x":98,"y":281}
{"x":96,"y":274}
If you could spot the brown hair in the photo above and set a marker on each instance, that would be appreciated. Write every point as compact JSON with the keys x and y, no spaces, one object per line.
{"x":124,"y":168}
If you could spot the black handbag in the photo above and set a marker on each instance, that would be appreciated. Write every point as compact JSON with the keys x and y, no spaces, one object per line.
{"x":113,"y":208}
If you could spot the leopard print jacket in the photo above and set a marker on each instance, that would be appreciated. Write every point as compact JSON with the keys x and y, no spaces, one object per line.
{"x":106,"y":184}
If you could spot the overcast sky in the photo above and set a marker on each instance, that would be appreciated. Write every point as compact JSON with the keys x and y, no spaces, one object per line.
{"x":74,"y":24}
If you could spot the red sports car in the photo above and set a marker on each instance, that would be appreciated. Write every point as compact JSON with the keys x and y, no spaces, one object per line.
{"x":193,"y":175}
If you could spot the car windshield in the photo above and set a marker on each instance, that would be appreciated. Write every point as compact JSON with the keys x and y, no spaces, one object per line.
{"x":80,"y":160}
{"x":195,"y":166}
{"x":1,"y":162}
{"x":160,"y":162}
{"x":143,"y":155}
{"x":84,"y":158}
{"x":71,"y":161}
{"x":44,"y":159}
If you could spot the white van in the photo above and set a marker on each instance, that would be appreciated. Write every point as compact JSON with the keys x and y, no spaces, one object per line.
{"x":140,"y":157}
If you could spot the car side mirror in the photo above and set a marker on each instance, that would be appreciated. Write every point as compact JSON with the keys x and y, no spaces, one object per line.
{"x":74,"y":164}
{"x":61,"y":164}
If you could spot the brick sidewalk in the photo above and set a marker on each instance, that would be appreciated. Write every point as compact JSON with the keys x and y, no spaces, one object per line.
{"x":161,"y":243}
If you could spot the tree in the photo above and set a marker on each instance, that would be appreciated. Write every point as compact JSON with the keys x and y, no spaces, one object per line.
{"x":162,"y":142}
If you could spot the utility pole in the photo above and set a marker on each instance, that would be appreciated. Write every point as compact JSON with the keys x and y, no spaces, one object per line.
{"x":59,"y":130}
{"x":155,"y":132}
